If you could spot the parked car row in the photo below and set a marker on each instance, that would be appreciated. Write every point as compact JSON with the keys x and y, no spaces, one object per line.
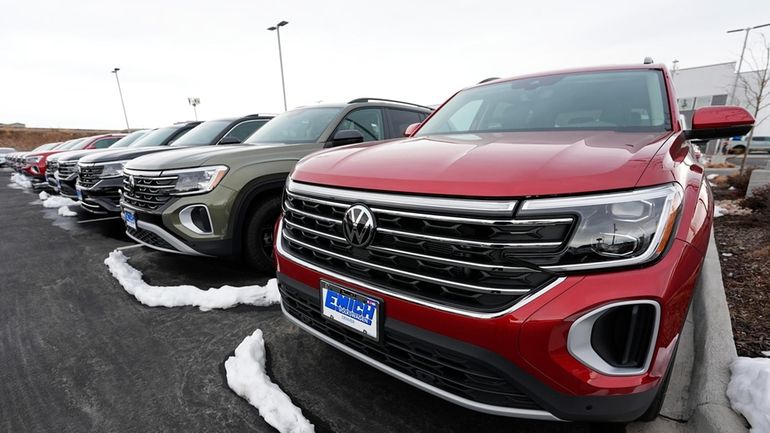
{"x":528,"y":249}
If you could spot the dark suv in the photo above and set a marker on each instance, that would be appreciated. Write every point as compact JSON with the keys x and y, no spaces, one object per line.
{"x":225,"y":201}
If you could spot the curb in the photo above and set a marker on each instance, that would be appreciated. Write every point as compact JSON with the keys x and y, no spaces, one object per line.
{"x":714,"y":352}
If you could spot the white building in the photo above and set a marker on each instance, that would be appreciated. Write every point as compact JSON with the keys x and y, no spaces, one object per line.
{"x":703,"y":86}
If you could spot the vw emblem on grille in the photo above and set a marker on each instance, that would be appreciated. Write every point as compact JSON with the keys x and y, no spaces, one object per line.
{"x":358,"y":225}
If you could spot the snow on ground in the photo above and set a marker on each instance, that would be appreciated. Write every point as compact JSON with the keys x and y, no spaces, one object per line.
{"x":729,"y":207}
{"x":749,"y":391}
{"x":247,"y":377}
{"x":179,"y":296}
{"x":56,"y":201}
{"x":21,"y":180}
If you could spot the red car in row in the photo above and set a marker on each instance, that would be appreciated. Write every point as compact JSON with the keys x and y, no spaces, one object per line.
{"x":530,"y":250}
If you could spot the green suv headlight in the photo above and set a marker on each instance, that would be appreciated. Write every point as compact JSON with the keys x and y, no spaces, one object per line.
{"x":113,"y":169}
{"x":616,"y":229}
{"x":196,"y":180}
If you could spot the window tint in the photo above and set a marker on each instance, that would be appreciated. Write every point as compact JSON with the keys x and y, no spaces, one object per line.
{"x":105,"y":142}
{"x":304,"y":125}
{"x":401,"y":119}
{"x":367,"y":121}
{"x":244,"y":129}
{"x":203,"y":134}
{"x":614,"y":101}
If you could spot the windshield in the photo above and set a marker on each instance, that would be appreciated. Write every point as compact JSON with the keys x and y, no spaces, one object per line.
{"x":47,"y":146}
{"x":304,"y":125}
{"x":203,"y":134}
{"x":156,"y":137}
{"x":130,"y":138}
{"x":616,"y":101}
{"x":72,"y":145}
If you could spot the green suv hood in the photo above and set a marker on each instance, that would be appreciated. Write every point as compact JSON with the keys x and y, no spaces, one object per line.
{"x":209,"y":155}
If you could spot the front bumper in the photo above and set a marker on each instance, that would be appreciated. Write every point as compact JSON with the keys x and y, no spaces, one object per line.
{"x":526,"y":348}
{"x":102,"y":198}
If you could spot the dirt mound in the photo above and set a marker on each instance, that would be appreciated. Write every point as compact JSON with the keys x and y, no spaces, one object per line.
{"x":29,"y":138}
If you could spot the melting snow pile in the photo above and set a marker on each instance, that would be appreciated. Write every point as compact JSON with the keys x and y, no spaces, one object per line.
{"x":729,"y":207}
{"x":55,"y":201}
{"x":180,"y":296}
{"x":21,"y":180}
{"x":247,"y":377}
{"x":749,"y":391}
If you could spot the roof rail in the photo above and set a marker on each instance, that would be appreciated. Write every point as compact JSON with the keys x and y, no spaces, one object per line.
{"x":357,"y":100}
{"x":486,"y":80}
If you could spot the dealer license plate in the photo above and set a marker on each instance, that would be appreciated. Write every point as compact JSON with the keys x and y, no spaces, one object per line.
{"x":79,"y":193}
{"x":351,"y":309}
{"x":130,"y":218}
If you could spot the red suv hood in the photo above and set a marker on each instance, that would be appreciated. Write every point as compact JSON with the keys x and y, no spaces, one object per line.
{"x":489,"y":164}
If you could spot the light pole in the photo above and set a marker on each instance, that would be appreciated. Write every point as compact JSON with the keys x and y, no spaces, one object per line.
{"x":743,"y":51}
{"x":123,"y":104}
{"x":194,"y":102}
{"x":277,"y":29}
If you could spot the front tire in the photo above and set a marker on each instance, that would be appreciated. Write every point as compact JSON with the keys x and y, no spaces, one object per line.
{"x":258,"y":245}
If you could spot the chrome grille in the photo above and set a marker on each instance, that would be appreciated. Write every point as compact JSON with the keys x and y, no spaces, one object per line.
{"x":51,"y":166}
{"x":88,"y":174}
{"x":66,"y":168}
{"x":466,"y":256}
{"x":147,"y":192}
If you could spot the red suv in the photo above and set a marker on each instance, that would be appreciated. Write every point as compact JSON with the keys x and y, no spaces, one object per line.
{"x":530,"y":250}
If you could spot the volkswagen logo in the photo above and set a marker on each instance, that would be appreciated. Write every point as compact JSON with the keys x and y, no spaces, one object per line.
{"x":358,"y":225}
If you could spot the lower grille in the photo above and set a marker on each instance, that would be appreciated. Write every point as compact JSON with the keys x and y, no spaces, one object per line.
{"x":149,"y":238}
{"x":450,"y":371}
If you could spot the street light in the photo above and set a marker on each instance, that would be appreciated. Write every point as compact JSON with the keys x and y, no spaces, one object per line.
{"x":743,"y":50}
{"x":277,"y":29}
{"x":194,"y":102}
{"x":123,"y":104}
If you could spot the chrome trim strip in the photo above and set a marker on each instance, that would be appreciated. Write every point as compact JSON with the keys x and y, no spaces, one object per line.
{"x":597,"y":199}
{"x":454,"y":205}
{"x":317,"y":233}
{"x":480,"y":221}
{"x":426,"y":278}
{"x":318,"y":200}
{"x":312,"y":215}
{"x":467,"y":242}
{"x":579,"y":340}
{"x":181,"y":247}
{"x":148,"y":174}
{"x":282,"y":251}
{"x":456,"y":399}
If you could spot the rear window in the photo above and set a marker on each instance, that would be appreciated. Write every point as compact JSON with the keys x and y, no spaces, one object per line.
{"x":633,"y":101}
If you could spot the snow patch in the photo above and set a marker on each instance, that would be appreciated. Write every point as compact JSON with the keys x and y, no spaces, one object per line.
{"x":65,"y":211}
{"x":247,"y":377}
{"x":749,"y":391}
{"x":180,"y":296}
{"x":712,"y":176}
{"x":43,"y":195}
{"x":56,"y":201}
{"x":21,"y":180}
{"x":729,"y":207}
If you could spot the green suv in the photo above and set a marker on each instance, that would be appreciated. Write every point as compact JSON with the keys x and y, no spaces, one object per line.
{"x":224,"y":200}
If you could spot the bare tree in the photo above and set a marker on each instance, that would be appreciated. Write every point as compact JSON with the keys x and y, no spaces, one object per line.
{"x":755,"y":85}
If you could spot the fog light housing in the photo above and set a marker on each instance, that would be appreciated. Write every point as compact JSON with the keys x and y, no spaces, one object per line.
{"x":197,"y":219}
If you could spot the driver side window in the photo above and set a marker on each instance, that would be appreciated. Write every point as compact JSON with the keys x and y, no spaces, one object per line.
{"x":367,"y":121}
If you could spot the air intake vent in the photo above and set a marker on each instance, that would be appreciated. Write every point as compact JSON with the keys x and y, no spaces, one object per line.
{"x":621,"y":335}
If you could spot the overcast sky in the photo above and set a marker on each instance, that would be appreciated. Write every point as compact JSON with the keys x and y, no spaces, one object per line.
{"x":56,"y":56}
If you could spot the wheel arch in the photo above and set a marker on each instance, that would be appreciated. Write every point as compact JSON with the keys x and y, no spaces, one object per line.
{"x":271,"y":184}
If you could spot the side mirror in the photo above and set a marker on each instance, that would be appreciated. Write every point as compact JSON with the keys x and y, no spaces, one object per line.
{"x":411,"y":129}
{"x":347,"y":136}
{"x":230,"y":140}
{"x":719,"y":122}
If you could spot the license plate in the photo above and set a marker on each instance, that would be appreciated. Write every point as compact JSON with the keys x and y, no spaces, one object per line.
{"x":130,"y":218}
{"x":58,"y":185}
{"x":351,"y":309}
{"x":80,"y":194}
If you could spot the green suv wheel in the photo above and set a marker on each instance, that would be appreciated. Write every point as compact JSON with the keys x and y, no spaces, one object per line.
{"x":258,"y":245}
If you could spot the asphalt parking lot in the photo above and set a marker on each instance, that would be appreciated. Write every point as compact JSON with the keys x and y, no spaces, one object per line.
{"x":78,"y":353}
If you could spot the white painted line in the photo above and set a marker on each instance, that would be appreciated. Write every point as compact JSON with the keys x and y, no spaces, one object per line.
{"x":128,"y":247}
{"x":99,"y":219}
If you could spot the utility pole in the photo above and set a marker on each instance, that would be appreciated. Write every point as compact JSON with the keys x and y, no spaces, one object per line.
{"x":123,"y":104}
{"x":277,"y":29}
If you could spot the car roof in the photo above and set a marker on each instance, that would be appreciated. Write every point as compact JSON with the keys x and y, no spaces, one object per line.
{"x":607,"y":68}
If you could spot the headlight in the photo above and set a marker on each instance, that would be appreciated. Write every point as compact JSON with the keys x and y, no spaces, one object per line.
{"x":113,"y":169}
{"x":618,"y":229}
{"x":196,"y":180}
{"x":33,"y":159}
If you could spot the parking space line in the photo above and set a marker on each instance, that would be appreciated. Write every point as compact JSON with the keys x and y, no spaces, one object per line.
{"x":99,"y":219}
{"x":128,"y":247}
